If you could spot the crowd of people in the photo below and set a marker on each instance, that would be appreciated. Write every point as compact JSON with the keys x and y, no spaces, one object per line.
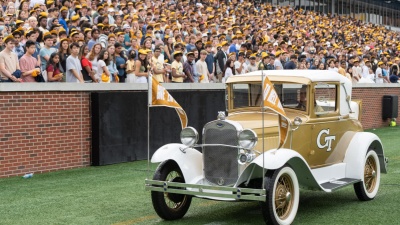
{"x":185,"y":41}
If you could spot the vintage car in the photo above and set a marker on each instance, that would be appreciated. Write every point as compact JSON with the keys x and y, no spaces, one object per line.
{"x":238,"y":159}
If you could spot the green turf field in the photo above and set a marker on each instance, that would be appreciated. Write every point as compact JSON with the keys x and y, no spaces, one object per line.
{"x":115,"y":195}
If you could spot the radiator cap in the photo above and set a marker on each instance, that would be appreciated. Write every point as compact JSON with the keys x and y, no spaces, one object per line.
{"x":221,"y":115}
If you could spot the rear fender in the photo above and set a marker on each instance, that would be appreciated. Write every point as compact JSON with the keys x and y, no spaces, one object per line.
{"x":275,"y":159}
{"x":189,"y":160}
{"x":357,"y":150}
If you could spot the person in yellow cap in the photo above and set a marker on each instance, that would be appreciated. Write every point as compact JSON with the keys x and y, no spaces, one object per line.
{"x":74,"y":22}
{"x":241,"y":65}
{"x":100,"y":12}
{"x":120,"y":37}
{"x":103,"y":37}
{"x":221,"y":58}
{"x":177,"y":68}
{"x":9,"y":66}
{"x":279,"y":56}
{"x":202,"y":68}
{"x":75,"y":36}
{"x":19,"y":46}
{"x":141,"y":71}
{"x":252,"y":66}
{"x":63,"y":16}
{"x":264,"y":61}
{"x":42,"y":20}
{"x":157,"y":64}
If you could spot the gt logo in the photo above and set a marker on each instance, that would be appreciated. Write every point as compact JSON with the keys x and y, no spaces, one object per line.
{"x":328,"y":140}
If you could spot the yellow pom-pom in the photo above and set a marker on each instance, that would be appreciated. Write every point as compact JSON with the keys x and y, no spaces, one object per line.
{"x":105,"y":78}
{"x":34,"y":73}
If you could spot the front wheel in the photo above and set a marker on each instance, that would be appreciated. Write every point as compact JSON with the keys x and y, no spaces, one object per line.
{"x":170,"y":206}
{"x":368,"y":188}
{"x":282,"y":196}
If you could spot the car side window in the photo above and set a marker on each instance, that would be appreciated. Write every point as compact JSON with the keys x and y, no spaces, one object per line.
{"x":325,"y":98}
{"x":293,"y":96}
{"x":246,"y":95}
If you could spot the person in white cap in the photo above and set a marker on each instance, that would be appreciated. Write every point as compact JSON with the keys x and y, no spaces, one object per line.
{"x":111,"y":13}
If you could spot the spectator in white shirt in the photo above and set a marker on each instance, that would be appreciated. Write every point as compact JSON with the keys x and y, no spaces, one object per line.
{"x":240,"y":64}
{"x":277,"y":63}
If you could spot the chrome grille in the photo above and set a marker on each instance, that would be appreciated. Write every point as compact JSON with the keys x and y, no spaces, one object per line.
{"x":220,"y":163}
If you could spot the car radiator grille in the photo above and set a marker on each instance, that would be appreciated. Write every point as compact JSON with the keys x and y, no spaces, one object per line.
{"x":220,"y":163}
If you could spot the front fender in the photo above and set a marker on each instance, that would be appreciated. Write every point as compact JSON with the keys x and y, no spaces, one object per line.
{"x":275,"y":159}
{"x":357,"y":150}
{"x":190,"y":161}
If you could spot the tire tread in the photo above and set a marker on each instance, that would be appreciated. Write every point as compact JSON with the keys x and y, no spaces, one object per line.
{"x":157,"y":198}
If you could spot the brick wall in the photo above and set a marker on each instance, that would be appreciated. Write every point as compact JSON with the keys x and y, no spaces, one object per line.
{"x":43,"y":131}
{"x":371,"y":116}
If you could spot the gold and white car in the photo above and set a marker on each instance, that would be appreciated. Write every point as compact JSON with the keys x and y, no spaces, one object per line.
{"x":238,"y":159}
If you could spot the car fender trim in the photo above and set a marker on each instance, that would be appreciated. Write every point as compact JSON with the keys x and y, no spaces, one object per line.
{"x":275,"y":159}
{"x":357,"y":150}
{"x":190,"y":161}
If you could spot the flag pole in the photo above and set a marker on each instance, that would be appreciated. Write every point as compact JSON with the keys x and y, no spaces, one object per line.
{"x":149,"y":101}
{"x":262,"y":117}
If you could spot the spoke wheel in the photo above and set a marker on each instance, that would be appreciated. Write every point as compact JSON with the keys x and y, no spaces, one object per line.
{"x":368,"y":188}
{"x":282,"y":196}
{"x":170,"y":206}
{"x":370,"y":174}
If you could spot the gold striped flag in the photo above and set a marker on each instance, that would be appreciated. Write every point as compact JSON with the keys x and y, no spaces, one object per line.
{"x":272,"y":101}
{"x":161,"y":97}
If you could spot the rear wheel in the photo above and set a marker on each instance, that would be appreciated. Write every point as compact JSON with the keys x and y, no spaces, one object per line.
{"x":282,"y":196}
{"x":170,"y":206}
{"x":368,"y":188}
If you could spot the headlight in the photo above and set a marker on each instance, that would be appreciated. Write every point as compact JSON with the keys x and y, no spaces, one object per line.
{"x":189,"y":136}
{"x":247,"y":139}
{"x":244,"y":158}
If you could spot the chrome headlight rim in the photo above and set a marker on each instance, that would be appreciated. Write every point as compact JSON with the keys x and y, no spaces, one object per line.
{"x":189,"y":136}
{"x":246,"y":157}
{"x":247,"y":139}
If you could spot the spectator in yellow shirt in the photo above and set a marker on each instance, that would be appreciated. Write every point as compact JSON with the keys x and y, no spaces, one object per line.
{"x":177,"y":68}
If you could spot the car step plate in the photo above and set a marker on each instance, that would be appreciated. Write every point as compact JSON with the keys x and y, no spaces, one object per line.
{"x":337,"y":184}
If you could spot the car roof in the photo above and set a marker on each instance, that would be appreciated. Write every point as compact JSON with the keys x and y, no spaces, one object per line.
{"x":296,"y":76}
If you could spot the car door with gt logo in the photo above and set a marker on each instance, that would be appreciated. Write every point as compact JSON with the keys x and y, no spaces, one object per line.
{"x":326,"y":126}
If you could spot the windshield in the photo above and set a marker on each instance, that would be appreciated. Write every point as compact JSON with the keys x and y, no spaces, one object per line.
{"x":292,"y":96}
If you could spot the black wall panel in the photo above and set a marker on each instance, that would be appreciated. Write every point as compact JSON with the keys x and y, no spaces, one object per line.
{"x":119,"y":122}
{"x":390,"y":106}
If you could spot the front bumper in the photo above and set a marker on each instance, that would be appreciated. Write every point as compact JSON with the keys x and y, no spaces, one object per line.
{"x":206,"y":191}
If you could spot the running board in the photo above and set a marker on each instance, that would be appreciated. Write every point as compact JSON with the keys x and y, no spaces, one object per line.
{"x":337,"y":184}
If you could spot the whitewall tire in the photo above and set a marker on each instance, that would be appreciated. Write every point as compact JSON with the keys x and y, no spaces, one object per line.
{"x":282,"y":196}
{"x":368,"y":188}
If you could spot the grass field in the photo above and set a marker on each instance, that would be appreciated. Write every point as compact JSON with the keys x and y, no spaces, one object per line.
{"x":115,"y":195}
